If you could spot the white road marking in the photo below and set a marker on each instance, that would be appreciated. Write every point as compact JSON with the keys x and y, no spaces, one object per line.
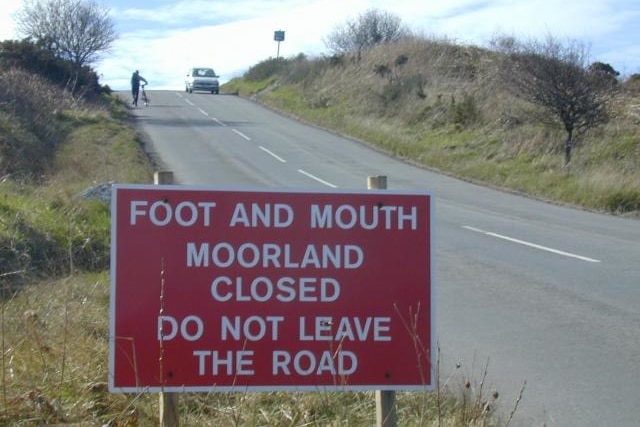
{"x":241,"y":134}
{"x":273,"y":154}
{"x":532,"y":245}
{"x":280,"y":159}
{"x":322,"y":181}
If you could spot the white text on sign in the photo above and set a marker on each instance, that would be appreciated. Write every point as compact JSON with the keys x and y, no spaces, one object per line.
{"x":277,"y":215}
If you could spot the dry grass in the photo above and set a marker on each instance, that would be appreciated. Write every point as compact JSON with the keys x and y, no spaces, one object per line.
{"x":443,"y":105}
{"x":55,"y":344}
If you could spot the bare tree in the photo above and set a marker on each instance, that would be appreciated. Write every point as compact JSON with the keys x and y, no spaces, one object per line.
{"x":371,"y":28}
{"x":557,"y":77}
{"x":78,"y":31}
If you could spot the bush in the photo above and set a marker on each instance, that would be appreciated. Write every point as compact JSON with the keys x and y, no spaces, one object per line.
{"x":623,"y":201}
{"x":20,"y":150}
{"x":265,"y":69}
{"x":633,"y":83}
{"x":302,"y":70}
{"x":35,"y":59}
{"x":29,"y":129}
{"x":465,"y":112}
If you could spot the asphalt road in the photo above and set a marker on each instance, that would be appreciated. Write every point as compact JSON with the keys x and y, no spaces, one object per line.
{"x":526,"y":291}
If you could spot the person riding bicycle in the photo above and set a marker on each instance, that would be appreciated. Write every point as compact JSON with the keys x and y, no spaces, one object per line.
{"x":136,"y":78}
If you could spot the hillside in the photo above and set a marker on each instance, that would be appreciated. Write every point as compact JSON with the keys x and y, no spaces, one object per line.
{"x":448,"y":107}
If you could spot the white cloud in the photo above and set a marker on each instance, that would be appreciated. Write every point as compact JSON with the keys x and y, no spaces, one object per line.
{"x":164,"y":57}
{"x":7,"y":23}
{"x":189,"y":11}
{"x":563,"y":19}
{"x":164,"y":38}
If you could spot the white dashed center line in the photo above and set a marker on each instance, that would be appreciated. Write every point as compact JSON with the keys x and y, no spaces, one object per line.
{"x":531,"y":245}
{"x":322,"y":181}
{"x":241,"y":134}
{"x":272,"y":154}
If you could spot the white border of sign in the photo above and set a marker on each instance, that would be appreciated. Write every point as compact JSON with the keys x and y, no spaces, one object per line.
{"x":112,"y":293}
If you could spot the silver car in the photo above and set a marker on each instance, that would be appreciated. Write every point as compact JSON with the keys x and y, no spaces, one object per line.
{"x":202,"y":79}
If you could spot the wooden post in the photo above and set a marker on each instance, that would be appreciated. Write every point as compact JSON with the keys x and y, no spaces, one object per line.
{"x":163,"y":177}
{"x":386,"y":408}
{"x":168,"y":401}
{"x":378,"y":182}
{"x":169,"y":410}
{"x":386,"y":415}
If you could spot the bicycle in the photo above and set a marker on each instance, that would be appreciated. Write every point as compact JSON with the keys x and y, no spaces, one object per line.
{"x":144,"y":96}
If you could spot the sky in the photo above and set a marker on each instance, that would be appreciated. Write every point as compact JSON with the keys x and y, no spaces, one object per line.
{"x":163,"y":38}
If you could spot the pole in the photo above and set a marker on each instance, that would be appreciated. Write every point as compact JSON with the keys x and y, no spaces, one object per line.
{"x":168,"y":403}
{"x":163,"y":177}
{"x":386,"y":415}
{"x":378,"y":182}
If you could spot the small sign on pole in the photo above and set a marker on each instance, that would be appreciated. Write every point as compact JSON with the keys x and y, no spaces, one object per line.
{"x":279,"y":37}
{"x":270,"y":290}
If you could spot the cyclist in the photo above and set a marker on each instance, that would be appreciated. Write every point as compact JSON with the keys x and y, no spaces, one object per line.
{"x":136,"y":78}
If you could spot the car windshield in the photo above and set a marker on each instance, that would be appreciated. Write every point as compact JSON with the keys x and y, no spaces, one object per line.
{"x":203,"y":72}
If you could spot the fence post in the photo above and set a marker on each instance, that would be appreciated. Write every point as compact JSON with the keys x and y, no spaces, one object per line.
{"x":386,"y":415}
{"x":168,"y":403}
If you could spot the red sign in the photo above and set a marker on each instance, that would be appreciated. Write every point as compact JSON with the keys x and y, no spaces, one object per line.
{"x":227,"y":290}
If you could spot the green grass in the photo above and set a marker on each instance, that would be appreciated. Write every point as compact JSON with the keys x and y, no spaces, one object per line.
{"x":46,"y":228}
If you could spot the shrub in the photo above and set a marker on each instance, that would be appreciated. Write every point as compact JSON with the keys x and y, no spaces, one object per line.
{"x":34,"y":58}
{"x":265,"y":69}
{"x":623,"y":201}
{"x":464,"y":112}
{"x":303,"y":70}
{"x":29,"y":130}
{"x":632,"y":84}
{"x":20,"y":150}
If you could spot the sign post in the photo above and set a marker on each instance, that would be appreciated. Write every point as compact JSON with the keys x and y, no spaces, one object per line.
{"x":279,"y":37}
{"x":386,"y":415}
{"x":168,"y":402}
{"x":270,"y":290}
